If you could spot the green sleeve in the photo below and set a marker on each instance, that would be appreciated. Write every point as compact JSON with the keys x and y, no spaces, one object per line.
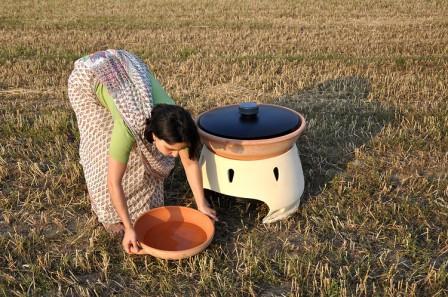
{"x":122,"y":140}
{"x":159,"y":95}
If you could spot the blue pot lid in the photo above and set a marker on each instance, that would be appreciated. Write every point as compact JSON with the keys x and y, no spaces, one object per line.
{"x":249,"y":121}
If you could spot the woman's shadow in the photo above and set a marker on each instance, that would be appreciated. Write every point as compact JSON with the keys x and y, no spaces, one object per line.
{"x":341,"y":117}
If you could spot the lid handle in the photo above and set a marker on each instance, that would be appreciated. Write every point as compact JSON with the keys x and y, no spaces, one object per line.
{"x":248,"y":109}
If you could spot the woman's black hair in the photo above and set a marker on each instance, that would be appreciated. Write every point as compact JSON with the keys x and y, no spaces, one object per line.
{"x":173,"y":124}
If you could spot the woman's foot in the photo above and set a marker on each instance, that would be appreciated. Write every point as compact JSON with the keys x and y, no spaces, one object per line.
{"x":116,"y":229}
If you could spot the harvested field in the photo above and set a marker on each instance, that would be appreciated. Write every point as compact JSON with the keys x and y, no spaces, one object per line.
{"x":371,"y":80}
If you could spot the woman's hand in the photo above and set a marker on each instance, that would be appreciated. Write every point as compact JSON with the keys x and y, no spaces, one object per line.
{"x":130,"y":243}
{"x":194,"y":177}
{"x":207,"y":210}
{"x":115,"y":174}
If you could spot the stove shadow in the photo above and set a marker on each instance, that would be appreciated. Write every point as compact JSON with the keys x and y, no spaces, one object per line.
{"x":341,"y":117}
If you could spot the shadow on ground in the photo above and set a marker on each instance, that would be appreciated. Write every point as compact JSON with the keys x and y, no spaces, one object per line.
{"x":340,"y":118}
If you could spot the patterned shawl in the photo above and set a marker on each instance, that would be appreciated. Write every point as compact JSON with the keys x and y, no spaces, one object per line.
{"x":127,"y":79}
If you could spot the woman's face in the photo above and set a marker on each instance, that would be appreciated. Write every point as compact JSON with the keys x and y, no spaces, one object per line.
{"x":167,"y":149}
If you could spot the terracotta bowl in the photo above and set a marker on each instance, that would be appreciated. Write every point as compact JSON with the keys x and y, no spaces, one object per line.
{"x":173,"y":232}
{"x":238,"y":149}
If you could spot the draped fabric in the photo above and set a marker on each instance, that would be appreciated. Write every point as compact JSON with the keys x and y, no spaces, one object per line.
{"x":127,"y":80}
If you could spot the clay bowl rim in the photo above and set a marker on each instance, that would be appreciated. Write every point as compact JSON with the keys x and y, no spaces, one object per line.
{"x":252,"y":142}
{"x":180,"y":254}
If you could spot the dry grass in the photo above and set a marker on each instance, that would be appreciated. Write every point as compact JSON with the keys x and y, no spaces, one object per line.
{"x":371,"y":79}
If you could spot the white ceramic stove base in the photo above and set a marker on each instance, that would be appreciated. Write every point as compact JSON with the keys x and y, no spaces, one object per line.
{"x":276,"y":181}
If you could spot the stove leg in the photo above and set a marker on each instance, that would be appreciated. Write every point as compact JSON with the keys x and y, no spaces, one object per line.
{"x":277,"y":181}
{"x":282,"y":213}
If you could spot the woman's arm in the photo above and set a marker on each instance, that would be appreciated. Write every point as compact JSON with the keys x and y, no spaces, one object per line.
{"x":194,"y":177}
{"x":115,"y":175}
